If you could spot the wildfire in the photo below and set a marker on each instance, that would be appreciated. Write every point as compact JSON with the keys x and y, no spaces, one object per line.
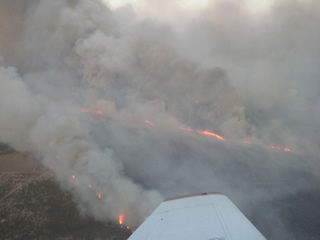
{"x":211,"y":134}
{"x":149,"y":122}
{"x":85,"y":110}
{"x":186,"y":129}
{"x":98,"y":111}
{"x":205,"y":132}
{"x":121,"y":218}
{"x":280,"y":148}
{"x":90,"y":186}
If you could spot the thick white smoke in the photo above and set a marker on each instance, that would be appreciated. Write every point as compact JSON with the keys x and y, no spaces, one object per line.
{"x":41,"y":108}
{"x":226,"y":70}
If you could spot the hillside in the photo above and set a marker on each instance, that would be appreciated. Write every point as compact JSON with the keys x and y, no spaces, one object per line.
{"x":32,"y":206}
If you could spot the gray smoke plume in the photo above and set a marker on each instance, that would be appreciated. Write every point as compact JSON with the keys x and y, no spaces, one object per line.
{"x":117,"y":103}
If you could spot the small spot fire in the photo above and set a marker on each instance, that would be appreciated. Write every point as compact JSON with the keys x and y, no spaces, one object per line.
{"x":121,"y":218}
{"x":99,"y":195}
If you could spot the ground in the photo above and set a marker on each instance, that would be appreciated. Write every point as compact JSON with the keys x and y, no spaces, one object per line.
{"x":32,"y":205}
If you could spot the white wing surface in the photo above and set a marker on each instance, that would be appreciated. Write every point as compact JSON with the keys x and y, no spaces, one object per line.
{"x":208,"y":216}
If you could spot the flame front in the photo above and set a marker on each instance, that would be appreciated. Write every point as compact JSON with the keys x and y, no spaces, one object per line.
{"x":205,"y":132}
{"x":281,"y":148}
{"x":121,"y":217}
{"x":211,"y":134}
{"x":149,"y":122}
{"x":85,"y":110}
{"x":99,"y":112}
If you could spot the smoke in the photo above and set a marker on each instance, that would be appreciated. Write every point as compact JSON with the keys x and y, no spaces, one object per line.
{"x":243,"y":75}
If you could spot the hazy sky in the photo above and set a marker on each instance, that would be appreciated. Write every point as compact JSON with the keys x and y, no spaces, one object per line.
{"x":256,"y":5}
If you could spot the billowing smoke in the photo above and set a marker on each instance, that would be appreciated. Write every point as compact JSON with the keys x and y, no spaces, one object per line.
{"x":116,"y":102}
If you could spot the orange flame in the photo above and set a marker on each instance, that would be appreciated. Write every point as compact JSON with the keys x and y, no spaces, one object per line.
{"x":99,"y":195}
{"x":121,"y":217}
{"x":85,"y":110}
{"x":99,"y":112}
{"x":73,"y":176}
{"x":90,"y":186}
{"x":150,"y":123}
{"x":203,"y":132}
{"x":211,"y":134}
{"x":186,"y":129}
{"x":280,"y":148}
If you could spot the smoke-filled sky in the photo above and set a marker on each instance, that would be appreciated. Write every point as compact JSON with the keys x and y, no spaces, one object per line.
{"x":145,"y":8}
{"x":79,"y":79}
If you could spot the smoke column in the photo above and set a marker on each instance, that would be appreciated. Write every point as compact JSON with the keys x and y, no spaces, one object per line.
{"x":140,"y":80}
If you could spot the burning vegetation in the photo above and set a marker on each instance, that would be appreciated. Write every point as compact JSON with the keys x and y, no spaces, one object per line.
{"x":128,"y":107}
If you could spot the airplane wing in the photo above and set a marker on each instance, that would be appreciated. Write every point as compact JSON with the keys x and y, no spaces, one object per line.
{"x":207,"y":216}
